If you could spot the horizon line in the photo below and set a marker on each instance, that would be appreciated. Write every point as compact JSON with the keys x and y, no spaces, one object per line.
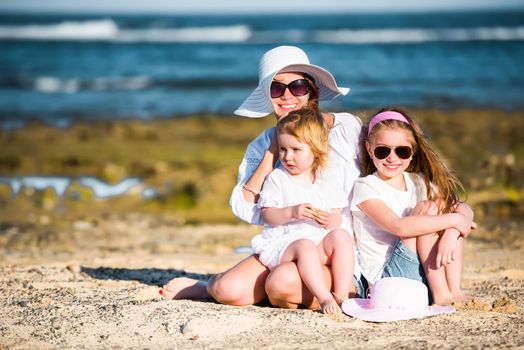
{"x":255,"y":12}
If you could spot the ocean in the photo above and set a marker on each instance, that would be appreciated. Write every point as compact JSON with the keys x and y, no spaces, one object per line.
{"x":59,"y":69}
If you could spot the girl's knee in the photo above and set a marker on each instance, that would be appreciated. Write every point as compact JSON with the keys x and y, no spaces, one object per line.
{"x":338,"y":238}
{"x":303,"y":245}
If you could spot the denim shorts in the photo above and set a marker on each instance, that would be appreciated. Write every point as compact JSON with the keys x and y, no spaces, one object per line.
{"x":405,"y":263}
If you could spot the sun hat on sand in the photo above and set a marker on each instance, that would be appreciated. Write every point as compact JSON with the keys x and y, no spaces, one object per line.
{"x":394,"y":299}
{"x":286,"y":59}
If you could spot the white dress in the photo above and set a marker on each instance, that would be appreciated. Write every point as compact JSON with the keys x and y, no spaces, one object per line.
{"x":343,"y":155}
{"x":283,"y":190}
{"x":374,"y":243}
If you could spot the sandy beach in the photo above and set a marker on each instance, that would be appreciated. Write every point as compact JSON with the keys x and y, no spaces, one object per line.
{"x":95,"y":285}
{"x":80,"y":272}
{"x":119,"y":149}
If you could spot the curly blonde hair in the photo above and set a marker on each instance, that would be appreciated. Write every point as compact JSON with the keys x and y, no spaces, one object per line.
{"x":307,"y":125}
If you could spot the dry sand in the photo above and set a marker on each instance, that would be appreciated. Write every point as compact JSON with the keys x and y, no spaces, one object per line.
{"x":94,"y":285}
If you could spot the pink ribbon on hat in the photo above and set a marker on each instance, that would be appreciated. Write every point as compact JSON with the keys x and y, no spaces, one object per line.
{"x":387,"y":115}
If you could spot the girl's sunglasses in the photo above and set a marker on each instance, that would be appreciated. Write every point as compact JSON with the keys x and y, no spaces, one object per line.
{"x":403,"y":152}
{"x":299,"y":87}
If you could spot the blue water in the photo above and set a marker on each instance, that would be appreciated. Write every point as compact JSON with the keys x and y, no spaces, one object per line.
{"x":63,"y":68}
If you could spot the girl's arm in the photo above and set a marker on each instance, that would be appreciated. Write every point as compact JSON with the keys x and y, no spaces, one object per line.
{"x":413,"y":225}
{"x":448,"y":241}
{"x":465,"y":210}
{"x":274,"y":216}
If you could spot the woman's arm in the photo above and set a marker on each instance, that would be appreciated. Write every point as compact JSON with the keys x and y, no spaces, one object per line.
{"x":255,"y":160}
{"x":252,"y":187}
{"x":413,"y":225}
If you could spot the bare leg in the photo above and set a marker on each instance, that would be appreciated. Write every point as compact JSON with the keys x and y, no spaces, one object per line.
{"x":286,"y":289}
{"x":339,"y":251}
{"x":243,"y":284}
{"x":307,"y":257}
{"x":427,"y":249}
{"x":454,"y":270}
{"x":454,"y":273}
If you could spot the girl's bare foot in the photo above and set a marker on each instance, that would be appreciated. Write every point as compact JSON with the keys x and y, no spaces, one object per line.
{"x":330,"y":306}
{"x":185,"y":288}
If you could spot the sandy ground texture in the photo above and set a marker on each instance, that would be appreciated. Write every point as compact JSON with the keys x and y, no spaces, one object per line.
{"x":94,"y":285}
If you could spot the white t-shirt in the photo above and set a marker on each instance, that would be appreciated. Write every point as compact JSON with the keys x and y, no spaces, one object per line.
{"x":283,"y":190}
{"x":374,"y":243}
{"x":343,"y":156}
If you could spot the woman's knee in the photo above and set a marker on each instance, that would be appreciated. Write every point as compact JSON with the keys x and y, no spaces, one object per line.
{"x":282,"y":281}
{"x":229,"y":290}
{"x":225,"y":290}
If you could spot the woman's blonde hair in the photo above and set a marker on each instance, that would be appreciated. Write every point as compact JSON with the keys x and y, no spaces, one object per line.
{"x":424,"y":161}
{"x":307,"y":125}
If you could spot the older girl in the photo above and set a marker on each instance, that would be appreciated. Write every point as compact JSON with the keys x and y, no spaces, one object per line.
{"x":407,"y":217}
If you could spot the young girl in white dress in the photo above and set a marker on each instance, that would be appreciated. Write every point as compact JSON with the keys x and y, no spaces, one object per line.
{"x":408,"y":220}
{"x":302,"y":210}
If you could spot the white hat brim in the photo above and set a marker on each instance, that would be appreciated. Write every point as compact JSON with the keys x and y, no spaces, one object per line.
{"x":258,"y":104}
{"x":363,"y":310}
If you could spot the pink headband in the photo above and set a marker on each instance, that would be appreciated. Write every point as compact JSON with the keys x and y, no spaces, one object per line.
{"x":387,"y":115}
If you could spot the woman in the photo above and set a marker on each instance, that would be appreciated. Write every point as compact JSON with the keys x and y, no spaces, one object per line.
{"x":287,"y":82}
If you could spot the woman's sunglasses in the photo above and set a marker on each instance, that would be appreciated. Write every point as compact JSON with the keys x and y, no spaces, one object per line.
{"x":403,"y":152}
{"x":299,"y":87}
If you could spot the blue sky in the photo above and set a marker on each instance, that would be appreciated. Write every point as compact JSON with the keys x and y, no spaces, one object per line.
{"x":250,"y":6}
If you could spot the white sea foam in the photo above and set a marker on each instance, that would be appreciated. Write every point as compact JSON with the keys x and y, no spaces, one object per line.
{"x":108,"y":30}
{"x":60,"y":85}
{"x":418,"y":35}
{"x":53,"y":85}
{"x":105,"y":29}
{"x":238,"y":33}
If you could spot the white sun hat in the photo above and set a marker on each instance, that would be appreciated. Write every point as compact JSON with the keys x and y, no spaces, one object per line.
{"x":394,"y":299}
{"x":286,"y":59}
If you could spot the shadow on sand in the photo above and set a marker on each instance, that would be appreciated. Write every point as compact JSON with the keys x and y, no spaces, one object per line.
{"x":152,"y":276}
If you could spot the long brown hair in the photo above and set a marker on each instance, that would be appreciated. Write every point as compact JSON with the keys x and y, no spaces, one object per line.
{"x":425,"y":162}
{"x":312,"y":101}
{"x":308,"y":126}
